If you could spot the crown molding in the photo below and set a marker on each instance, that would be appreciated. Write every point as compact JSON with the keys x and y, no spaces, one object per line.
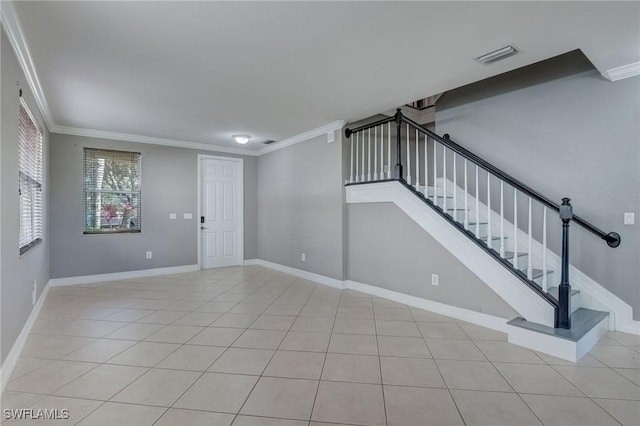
{"x":625,"y":71}
{"x":18,"y":41}
{"x":75,"y":131}
{"x":13,"y":29}
{"x":319,"y":131}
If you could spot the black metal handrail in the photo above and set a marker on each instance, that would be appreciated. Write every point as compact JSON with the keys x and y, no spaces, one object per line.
{"x":562,"y":305}
{"x":612,"y":239}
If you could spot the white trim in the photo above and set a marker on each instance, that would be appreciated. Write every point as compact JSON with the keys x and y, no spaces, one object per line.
{"x":319,"y":131}
{"x":484,"y":320}
{"x":250,"y":262}
{"x":151,"y":140}
{"x":14,"y":354}
{"x":20,"y":47}
{"x":116,"y":276}
{"x":199,"y":189}
{"x":524,"y":300}
{"x":321,"y":279}
{"x":625,"y":71}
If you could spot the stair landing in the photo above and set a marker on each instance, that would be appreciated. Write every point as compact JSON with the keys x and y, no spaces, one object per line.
{"x":587,"y":327}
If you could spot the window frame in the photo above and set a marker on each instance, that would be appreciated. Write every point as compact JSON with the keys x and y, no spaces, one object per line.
{"x":37,"y":232}
{"x":86,"y":191}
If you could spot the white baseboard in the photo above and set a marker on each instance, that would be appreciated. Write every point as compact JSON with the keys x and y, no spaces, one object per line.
{"x":321,"y":279}
{"x":12,"y":357}
{"x":479,"y":318}
{"x":88,"y":279}
{"x":250,"y":262}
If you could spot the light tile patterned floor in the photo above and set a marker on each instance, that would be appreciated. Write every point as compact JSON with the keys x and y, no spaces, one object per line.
{"x":252,"y":346}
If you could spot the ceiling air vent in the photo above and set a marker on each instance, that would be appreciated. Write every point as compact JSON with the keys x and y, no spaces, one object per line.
{"x":497,"y":55}
{"x":268,"y":142}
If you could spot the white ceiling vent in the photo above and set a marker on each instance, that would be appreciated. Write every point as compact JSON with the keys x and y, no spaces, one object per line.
{"x":497,"y":55}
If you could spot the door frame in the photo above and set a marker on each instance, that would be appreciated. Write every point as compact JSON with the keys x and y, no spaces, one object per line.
{"x":240,"y":162}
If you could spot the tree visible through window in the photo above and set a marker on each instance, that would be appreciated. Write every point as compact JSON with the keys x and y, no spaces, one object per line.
{"x":111,"y":191}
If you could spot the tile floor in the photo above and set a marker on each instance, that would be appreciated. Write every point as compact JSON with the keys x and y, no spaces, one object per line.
{"x":252,"y":346}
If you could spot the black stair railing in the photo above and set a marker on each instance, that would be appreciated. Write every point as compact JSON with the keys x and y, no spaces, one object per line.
{"x":458,"y":184}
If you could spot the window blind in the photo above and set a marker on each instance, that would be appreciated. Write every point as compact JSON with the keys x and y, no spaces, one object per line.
{"x":112,"y":191}
{"x":29,"y":179}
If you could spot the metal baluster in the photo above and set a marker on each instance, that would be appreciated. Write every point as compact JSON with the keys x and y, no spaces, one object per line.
{"x":352,"y":160}
{"x":408,"y":157}
{"x":529,"y":265}
{"x":466,"y":197}
{"x":477,"y":204}
{"x":515,"y":228}
{"x":369,"y":155}
{"x":455,"y":189}
{"x":435,"y":174}
{"x":357,"y":142}
{"x":426,"y":168}
{"x":389,"y":150}
{"x":375,"y":153}
{"x":417,"y":161}
{"x":489,"y":242}
{"x":363,"y":175}
{"x":381,"y":151}
{"x":444,"y":174}
{"x":544,"y":248}
{"x":501,"y":218}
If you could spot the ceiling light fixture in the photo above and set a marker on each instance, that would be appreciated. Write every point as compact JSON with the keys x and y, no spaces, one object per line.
{"x":497,"y":55}
{"x":241,"y":139}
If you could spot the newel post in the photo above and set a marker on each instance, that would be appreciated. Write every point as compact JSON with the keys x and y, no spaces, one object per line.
{"x":564,"y":290}
{"x":398,"y":120}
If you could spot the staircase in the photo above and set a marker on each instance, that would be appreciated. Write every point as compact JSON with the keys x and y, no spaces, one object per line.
{"x":516,"y":229}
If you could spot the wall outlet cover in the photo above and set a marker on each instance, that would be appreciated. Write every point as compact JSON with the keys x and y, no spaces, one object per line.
{"x":149,"y":255}
{"x":435,"y":279}
{"x":172,"y":216}
{"x":629,"y":218}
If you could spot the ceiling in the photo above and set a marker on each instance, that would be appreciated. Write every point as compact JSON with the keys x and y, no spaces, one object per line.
{"x":202,"y":71}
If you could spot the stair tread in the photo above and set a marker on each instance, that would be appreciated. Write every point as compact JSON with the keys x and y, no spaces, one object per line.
{"x":536,"y":273}
{"x":509,"y":254}
{"x":492,"y":238}
{"x":582,"y":321}
{"x":554,"y":291}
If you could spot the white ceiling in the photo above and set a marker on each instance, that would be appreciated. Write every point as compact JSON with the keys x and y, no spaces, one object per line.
{"x":202,"y":71}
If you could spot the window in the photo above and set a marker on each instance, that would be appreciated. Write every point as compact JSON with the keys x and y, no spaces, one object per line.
{"x":29,"y":179}
{"x":111,"y":191}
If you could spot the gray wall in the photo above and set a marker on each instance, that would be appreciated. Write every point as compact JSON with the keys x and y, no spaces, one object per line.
{"x":564,"y":131}
{"x":169,"y":185}
{"x":17,"y":273}
{"x":300,"y":206}
{"x":388,"y":249}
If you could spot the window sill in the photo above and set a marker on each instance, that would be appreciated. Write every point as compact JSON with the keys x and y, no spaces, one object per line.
{"x":25,"y":248}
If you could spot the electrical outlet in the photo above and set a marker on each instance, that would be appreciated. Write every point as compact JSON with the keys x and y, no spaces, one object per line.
{"x":172,"y":216}
{"x":34,"y":293}
{"x":303,"y":257}
{"x":435,"y":279}
{"x":149,"y":255}
{"x":629,"y":218}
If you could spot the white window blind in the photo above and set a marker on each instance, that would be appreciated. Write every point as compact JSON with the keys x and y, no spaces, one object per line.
{"x":112,"y":191}
{"x":29,"y":179}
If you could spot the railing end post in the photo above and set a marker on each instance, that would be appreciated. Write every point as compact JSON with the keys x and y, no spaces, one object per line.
{"x":348,"y":132}
{"x":613,"y":239}
{"x":398,"y":116}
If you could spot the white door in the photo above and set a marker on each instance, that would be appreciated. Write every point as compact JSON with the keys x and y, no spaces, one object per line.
{"x":221,"y":216}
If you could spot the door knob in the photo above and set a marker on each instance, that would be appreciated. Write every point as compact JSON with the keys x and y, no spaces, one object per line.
{"x":203,"y":228}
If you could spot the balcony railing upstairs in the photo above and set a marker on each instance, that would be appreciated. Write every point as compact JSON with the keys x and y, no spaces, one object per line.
{"x":508,"y":219}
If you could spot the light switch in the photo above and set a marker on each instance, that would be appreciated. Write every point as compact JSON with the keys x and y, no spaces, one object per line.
{"x":172,"y":216}
{"x":188,"y":216}
{"x":629,"y":218}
